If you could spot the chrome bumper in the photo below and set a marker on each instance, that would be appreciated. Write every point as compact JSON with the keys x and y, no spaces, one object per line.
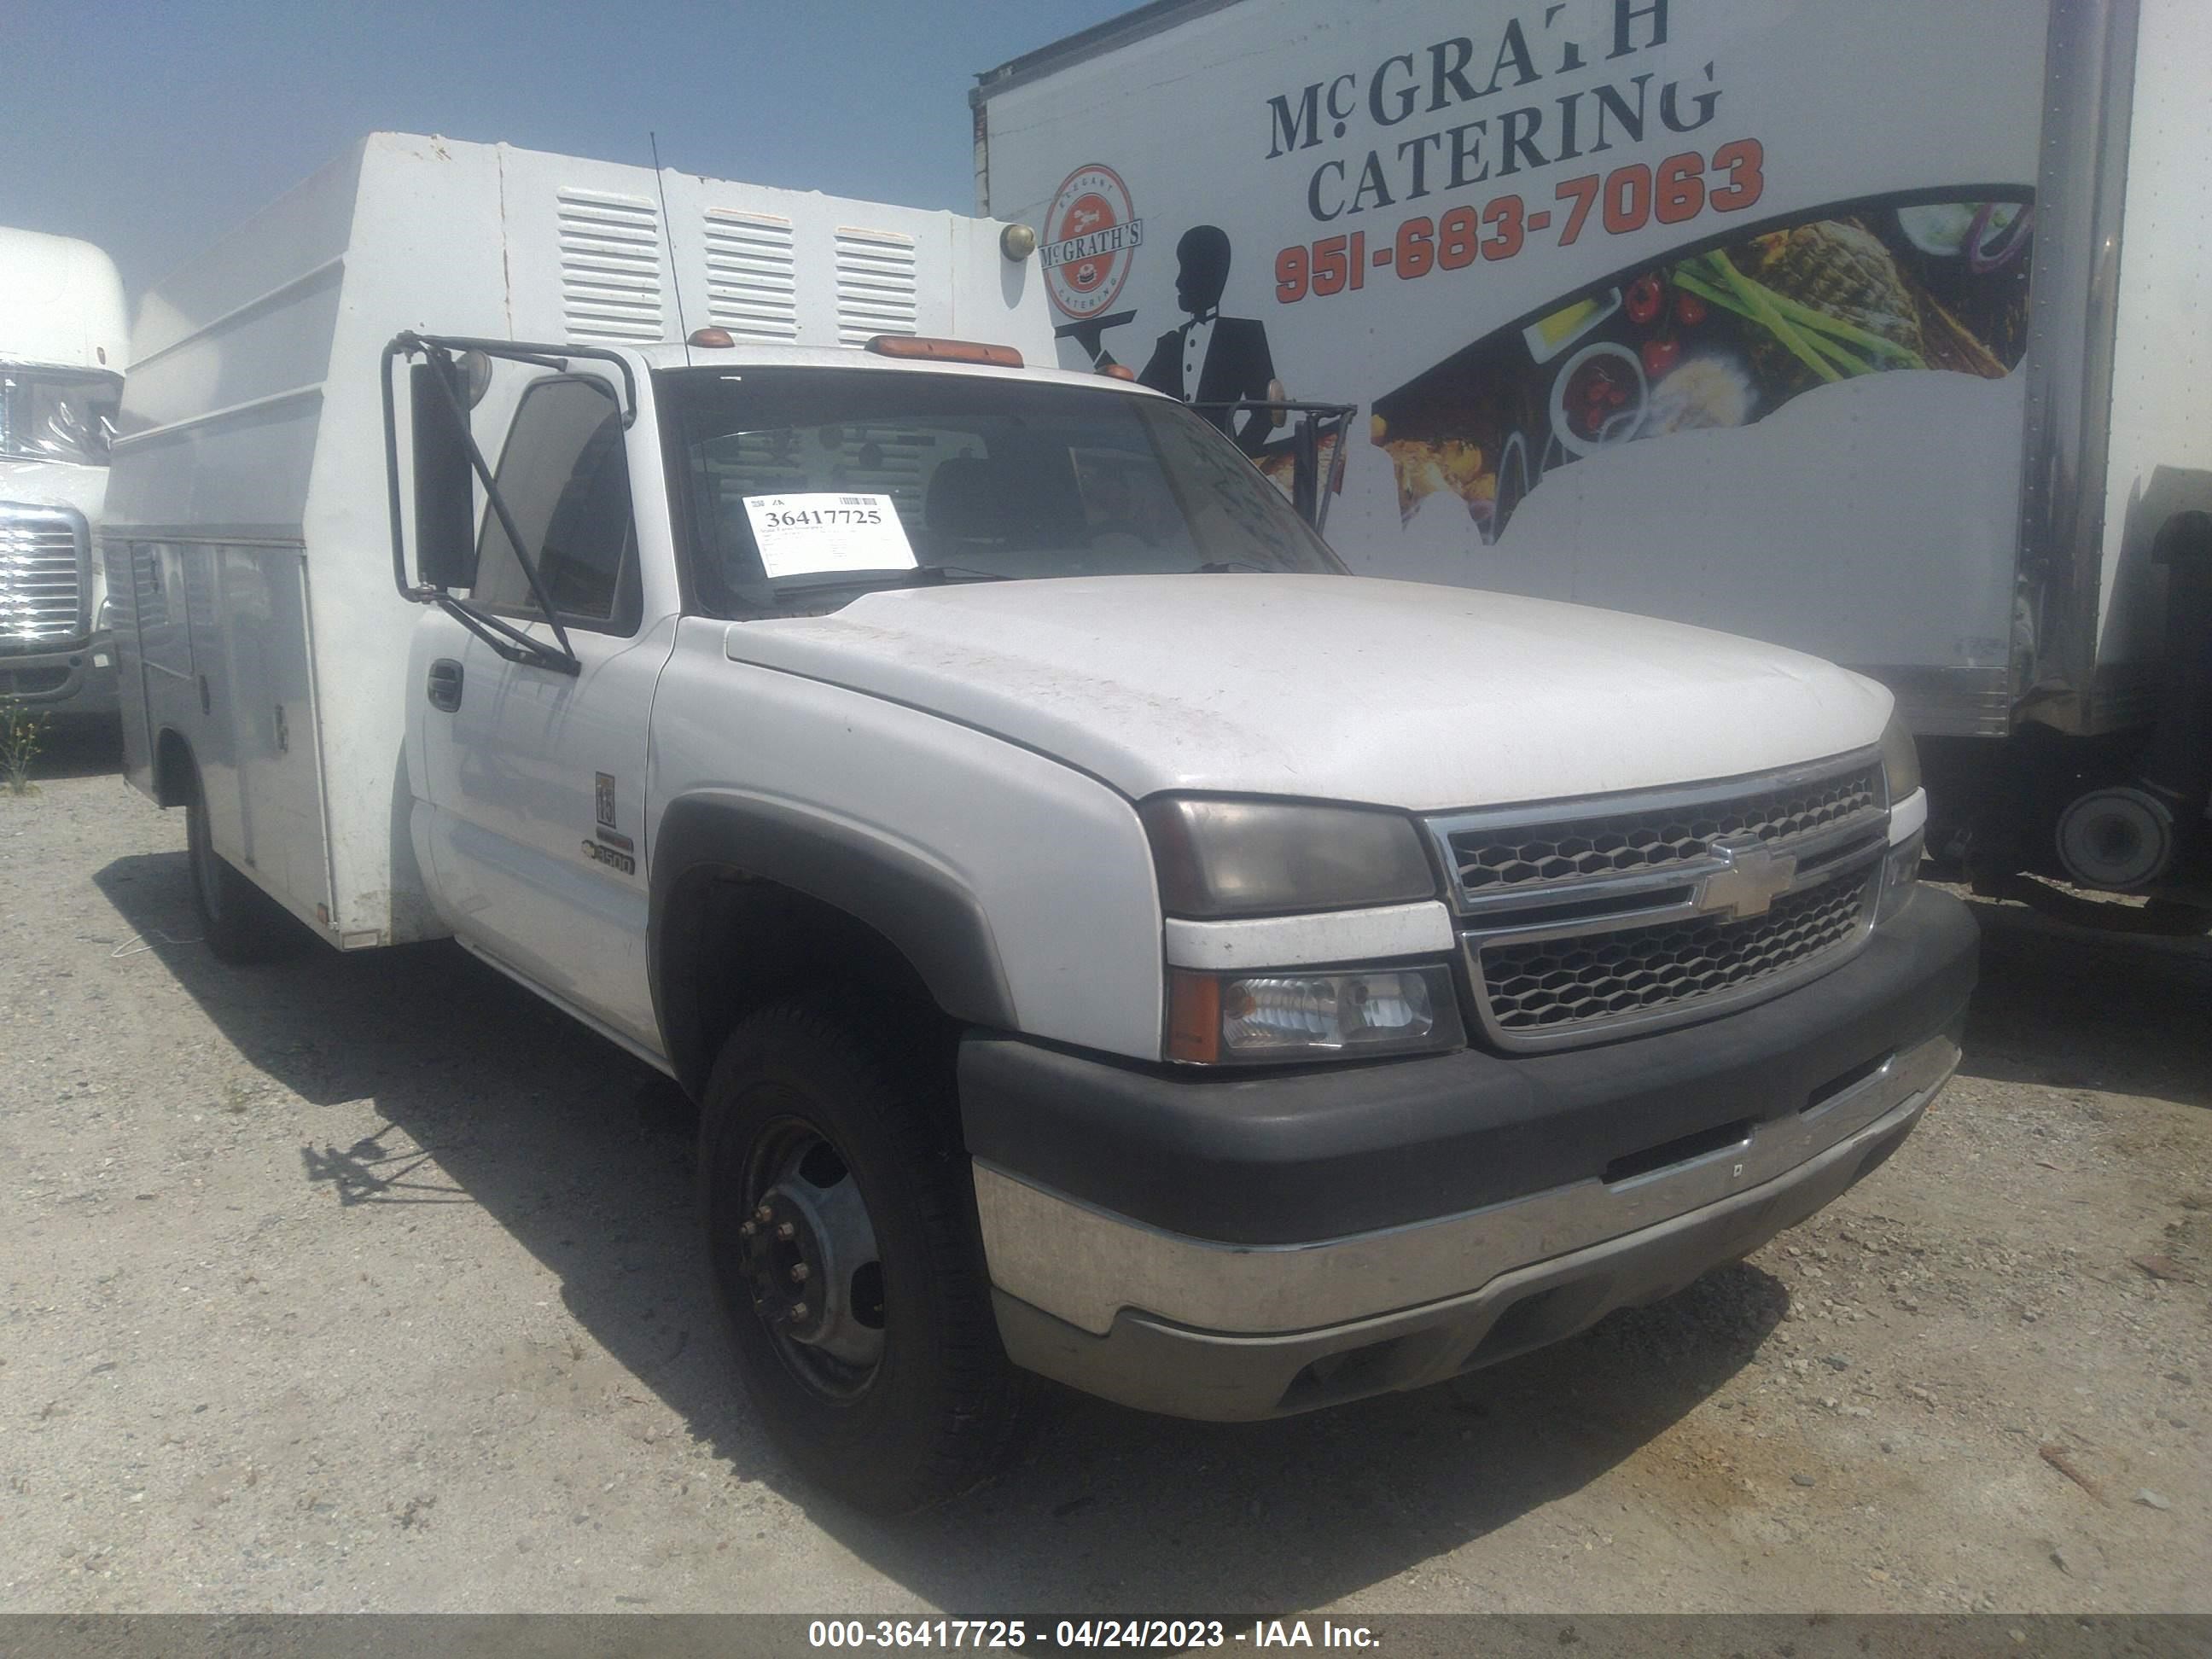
{"x":1086,"y":1268}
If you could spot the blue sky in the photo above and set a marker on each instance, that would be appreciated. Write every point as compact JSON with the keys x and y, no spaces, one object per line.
{"x":150,"y":127}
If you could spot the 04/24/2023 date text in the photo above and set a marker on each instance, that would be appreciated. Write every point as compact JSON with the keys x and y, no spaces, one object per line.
{"x":1620,"y":201}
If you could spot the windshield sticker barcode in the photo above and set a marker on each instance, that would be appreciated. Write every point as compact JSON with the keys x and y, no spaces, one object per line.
{"x":826,"y":531}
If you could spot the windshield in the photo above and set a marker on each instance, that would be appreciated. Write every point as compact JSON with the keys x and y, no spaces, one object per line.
{"x":823,"y":483}
{"x":58,"y":414}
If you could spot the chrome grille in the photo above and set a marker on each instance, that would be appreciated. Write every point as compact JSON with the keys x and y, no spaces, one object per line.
{"x":1527,"y":856}
{"x":1548,"y":984}
{"x":42,"y":577}
{"x":1592,"y":918}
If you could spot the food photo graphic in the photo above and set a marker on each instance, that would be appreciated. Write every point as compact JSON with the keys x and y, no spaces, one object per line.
{"x":1720,"y":338}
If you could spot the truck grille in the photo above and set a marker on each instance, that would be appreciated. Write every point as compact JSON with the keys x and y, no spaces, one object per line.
{"x":42,"y":577}
{"x":1576,"y":981}
{"x":1593,"y":918}
{"x":1530,"y":857}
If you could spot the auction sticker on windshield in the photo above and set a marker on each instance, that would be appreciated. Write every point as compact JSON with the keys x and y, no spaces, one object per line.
{"x":799,"y":535}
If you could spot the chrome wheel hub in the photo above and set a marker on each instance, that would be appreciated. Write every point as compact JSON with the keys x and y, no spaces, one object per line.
{"x":808,"y":1256}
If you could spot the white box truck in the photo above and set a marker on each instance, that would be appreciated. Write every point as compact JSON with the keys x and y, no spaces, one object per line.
{"x":62,"y":334}
{"x":1871,"y":329}
{"x":1107,"y":940}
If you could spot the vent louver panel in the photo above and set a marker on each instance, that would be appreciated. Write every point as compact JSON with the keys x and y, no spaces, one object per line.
{"x":882,"y":461}
{"x":752,"y":284}
{"x":611,"y":262}
{"x":876,"y":292}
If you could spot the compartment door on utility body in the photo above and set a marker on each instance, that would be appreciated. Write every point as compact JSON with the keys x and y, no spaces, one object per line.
{"x":535,"y":777}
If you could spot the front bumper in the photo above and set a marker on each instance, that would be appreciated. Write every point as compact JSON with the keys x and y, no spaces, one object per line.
{"x":1188,"y":1250}
{"x":80,"y":680}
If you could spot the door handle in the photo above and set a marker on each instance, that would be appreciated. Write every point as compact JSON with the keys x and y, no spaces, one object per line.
{"x":446,"y":684}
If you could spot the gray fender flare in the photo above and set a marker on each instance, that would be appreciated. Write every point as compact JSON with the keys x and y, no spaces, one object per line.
{"x":924,"y":910}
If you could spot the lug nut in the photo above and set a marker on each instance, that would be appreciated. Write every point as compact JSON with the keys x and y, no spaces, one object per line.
{"x":799,"y":1273}
{"x":798,"y":1312}
{"x":786,"y":1230}
{"x":763,"y":1215}
{"x":746,"y":1229}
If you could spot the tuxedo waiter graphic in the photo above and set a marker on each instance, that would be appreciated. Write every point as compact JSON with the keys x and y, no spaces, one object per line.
{"x":1213,"y":359}
{"x":1094,"y":234}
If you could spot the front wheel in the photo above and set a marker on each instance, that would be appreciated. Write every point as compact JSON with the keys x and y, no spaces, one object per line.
{"x":841,"y":1239}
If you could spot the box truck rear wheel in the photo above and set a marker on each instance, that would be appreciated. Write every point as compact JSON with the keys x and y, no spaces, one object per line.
{"x":840,"y":1237}
{"x":239,"y":922}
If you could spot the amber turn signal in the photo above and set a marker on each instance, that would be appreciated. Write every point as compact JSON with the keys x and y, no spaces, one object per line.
{"x":712,"y":338}
{"x":944,"y":351}
{"x":1194,"y":1017}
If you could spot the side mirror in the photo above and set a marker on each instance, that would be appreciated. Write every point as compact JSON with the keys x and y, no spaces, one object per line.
{"x":445,"y":486}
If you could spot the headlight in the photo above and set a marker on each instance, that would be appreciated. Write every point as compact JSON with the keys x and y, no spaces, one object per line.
{"x":1256,"y":1018}
{"x":1900,"y":760}
{"x":1247,"y":858}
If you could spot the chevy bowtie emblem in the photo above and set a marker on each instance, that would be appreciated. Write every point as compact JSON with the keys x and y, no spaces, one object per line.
{"x":1750,"y":877}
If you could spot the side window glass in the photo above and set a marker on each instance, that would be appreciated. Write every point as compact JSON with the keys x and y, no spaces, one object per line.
{"x":564,"y":477}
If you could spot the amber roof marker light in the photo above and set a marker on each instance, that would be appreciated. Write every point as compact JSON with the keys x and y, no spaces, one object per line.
{"x":929,"y":349}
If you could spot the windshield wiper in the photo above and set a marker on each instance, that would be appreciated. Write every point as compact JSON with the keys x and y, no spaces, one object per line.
{"x":1220,"y":565}
{"x":925,"y":575}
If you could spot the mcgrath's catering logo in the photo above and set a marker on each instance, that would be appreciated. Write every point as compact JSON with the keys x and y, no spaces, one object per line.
{"x":1094,"y":234}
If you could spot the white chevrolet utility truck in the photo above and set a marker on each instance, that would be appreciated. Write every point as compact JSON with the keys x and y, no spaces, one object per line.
{"x":62,"y":335}
{"x":1106,"y":940}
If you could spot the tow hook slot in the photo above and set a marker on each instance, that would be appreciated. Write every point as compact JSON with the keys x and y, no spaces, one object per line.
{"x":1841,"y":1084}
{"x":1683,"y":1149}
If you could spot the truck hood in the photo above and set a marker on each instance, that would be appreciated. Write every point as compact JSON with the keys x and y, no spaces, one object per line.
{"x":1335,"y":687}
{"x":54,"y":484}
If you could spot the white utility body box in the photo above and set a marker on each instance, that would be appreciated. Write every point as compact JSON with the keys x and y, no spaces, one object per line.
{"x":249,"y":523}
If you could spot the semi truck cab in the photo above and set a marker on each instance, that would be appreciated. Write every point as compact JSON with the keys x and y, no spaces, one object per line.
{"x":63,"y":336}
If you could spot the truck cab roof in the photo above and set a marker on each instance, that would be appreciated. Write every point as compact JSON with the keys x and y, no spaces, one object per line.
{"x":61,"y":303}
{"x":673,"y":355}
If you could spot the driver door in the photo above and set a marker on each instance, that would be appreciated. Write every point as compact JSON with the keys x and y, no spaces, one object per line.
{"x":534,"y":798}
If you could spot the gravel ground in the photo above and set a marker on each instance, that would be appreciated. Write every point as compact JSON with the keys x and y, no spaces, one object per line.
{"x":366,"y":1282}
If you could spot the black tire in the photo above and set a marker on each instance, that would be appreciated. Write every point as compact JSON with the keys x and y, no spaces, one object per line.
{"x":239,"y":922}
{"x":939,"y":1409}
